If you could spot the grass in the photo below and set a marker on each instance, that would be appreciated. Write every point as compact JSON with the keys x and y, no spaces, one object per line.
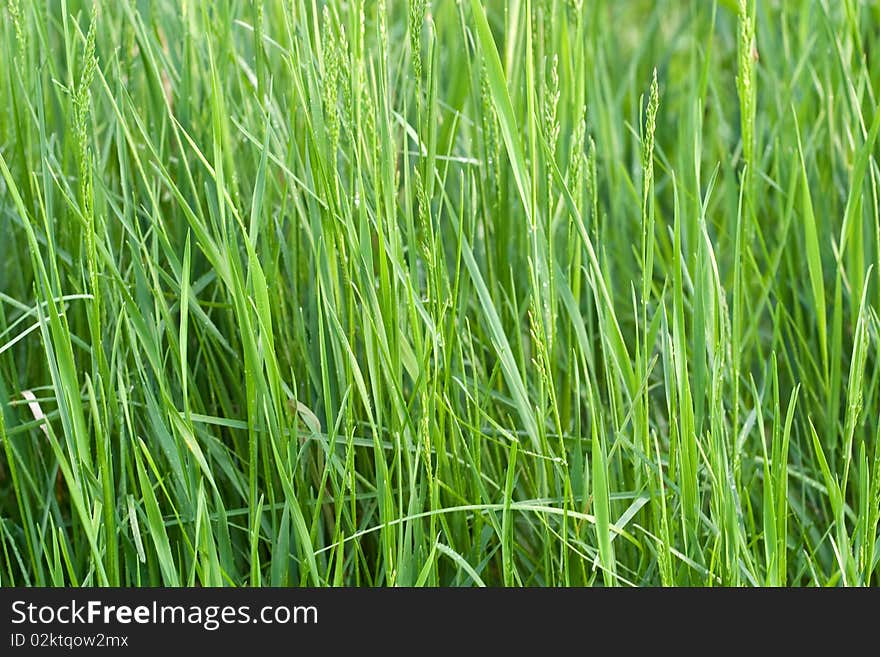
{"x":535,"y":292}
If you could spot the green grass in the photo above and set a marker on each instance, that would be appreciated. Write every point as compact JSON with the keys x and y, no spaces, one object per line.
{"x":535,"y":292}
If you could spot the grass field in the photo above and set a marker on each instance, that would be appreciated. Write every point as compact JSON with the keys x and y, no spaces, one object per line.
{"x":535,"y":292}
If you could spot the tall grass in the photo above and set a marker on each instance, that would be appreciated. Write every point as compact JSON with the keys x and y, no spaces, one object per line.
{"x":536,"y":292}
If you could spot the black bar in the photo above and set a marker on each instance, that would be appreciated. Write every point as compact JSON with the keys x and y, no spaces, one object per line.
{"x":409,"y":621}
